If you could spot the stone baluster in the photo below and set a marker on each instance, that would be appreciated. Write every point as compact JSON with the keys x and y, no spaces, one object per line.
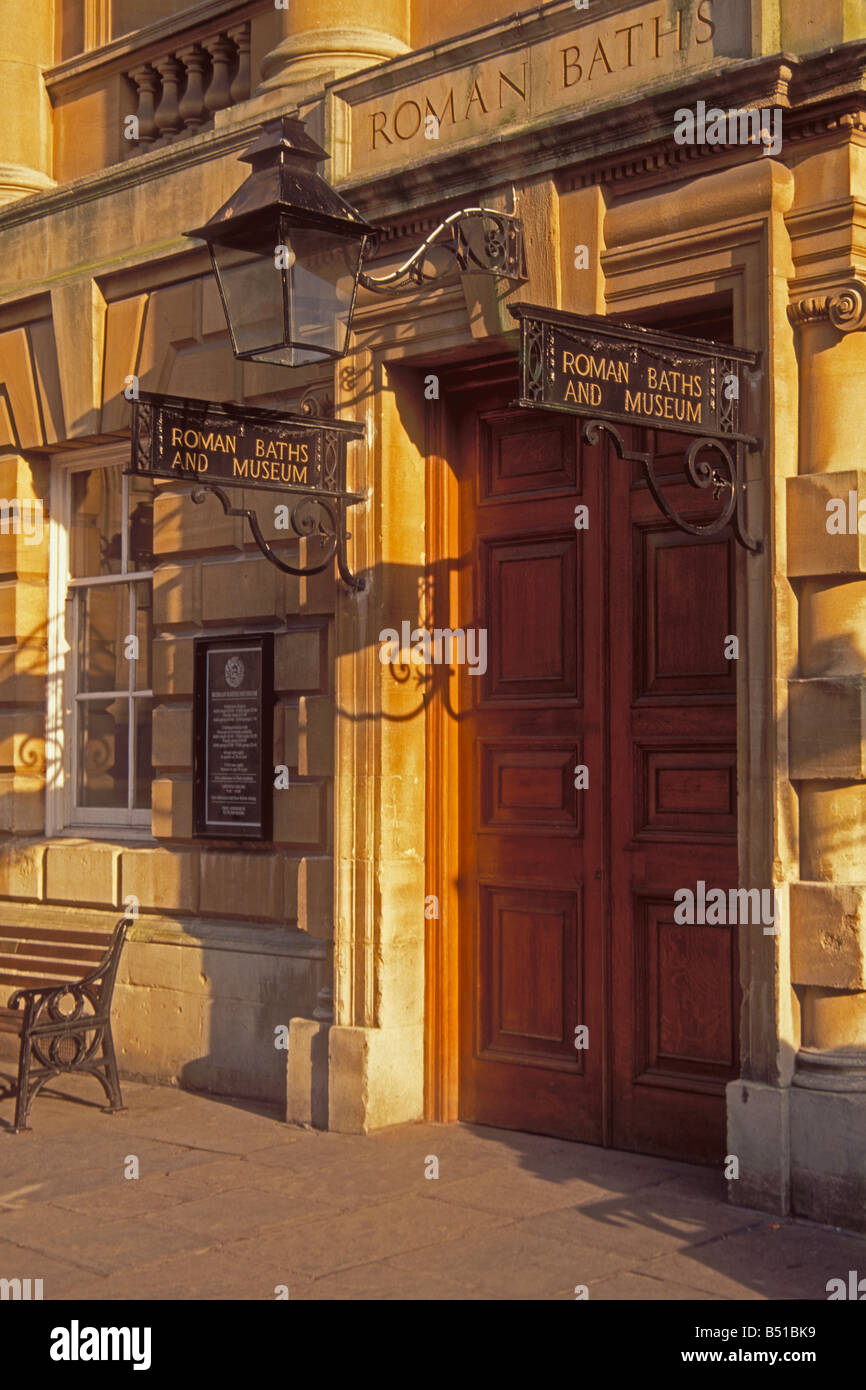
{"x":240,"y":37}
{"x":147,"y":86}
{"x":167,"y":118}
{"x":222,"y":51}
{"x":192,"y":109}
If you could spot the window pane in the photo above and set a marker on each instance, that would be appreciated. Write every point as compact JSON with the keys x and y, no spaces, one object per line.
{"x":143,"y":713}
{"x":103,"y":734}
{"x":95,"y":533}
{"x":103,"y":624}
{"x":140,"y":524}
{"x":144,"y":633}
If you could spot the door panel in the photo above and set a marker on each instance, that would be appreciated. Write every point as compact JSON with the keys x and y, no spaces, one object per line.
{"x":673,"y":815}
{"x":530,"y":904}
{"x":605,"y":651}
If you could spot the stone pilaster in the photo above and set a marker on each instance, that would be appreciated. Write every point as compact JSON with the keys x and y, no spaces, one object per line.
{"x":827,"y":733}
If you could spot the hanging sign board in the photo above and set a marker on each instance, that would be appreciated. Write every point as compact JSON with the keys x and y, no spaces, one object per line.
{"x":233,"y":737}
{"x":239,"y":446}
{"x":631,"y":375}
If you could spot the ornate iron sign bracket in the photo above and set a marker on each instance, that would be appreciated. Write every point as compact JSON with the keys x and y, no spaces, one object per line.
{"x":617,"y":375}
{"x":305,"y":523}
{"x":294,"y":457}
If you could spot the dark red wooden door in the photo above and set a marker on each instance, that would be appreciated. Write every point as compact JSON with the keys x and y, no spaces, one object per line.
{"x":605,"y":652}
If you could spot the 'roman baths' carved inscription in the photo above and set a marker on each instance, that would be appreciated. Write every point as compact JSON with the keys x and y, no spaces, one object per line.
{"x":567,"y":62}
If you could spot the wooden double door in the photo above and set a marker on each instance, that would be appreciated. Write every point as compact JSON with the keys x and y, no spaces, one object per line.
{"x":597,"y":766}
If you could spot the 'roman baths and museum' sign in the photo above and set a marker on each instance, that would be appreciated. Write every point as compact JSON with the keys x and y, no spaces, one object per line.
{"x":602,"y":370}
{"x":238,"y":446}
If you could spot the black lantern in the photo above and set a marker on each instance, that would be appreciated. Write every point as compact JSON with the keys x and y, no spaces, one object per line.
{"x":287,"y":253}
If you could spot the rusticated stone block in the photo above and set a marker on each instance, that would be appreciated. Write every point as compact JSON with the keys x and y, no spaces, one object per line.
{"x":827,"y":728}
{"x":22,"y":871}
{"x":316,"y":896}
{"x":298,"y":659}
{"x":298,"y":815}
{"x":828,"y":935}
{"x":163,"y":880}
{"x":171,"y":817}
{"x":242,"y":885}
{"x":22,"y":804}
{"x":183,"y":526}
{"x":172,"y":736}
{"x":286,"y":735}
{"x":812,"y":549}
{"x":80,"y":872}
{"x":316,"y":737}
{"x":177,"y":595}
{"x":172,"y":666}
{"x":241,"y":589}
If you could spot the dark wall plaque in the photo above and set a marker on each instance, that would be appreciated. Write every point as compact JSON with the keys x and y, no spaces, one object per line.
{"x":589,"y":365}
{"x":233,"y":736}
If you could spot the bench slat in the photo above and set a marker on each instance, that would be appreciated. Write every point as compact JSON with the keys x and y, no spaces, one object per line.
{"x":66,"y":938}
{"x":57,"y":950}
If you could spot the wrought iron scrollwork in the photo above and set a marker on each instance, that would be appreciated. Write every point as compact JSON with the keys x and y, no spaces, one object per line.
{"x":495,"y":248}
{"x":67,"y":1028}
{"x":312,"y":515}
{"x":724,"y":478}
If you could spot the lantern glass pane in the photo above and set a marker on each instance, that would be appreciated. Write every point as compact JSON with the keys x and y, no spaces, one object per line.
{"x":323,"y":271}
{"x":252,"y":287}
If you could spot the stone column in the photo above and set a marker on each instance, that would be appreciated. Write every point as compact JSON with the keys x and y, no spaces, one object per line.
{"x":26,"y":47}
{"x":324,"y":39}
{"x":827,"y":731}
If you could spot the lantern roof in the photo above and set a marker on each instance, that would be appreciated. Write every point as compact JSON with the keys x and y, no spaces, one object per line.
{"x":284,"y":179}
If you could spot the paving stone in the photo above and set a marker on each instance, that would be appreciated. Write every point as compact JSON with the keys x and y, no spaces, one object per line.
{"x":359,"y":1237}
{"x":644,"y":1223}
{"x":60,"y":1278}
{"x":629,"y":1287}
{"x":381,"y":1282}
{"x":215,"y":1275}
{"x":774,"y":1260}
{"x":513,"y":1262}
{"x":517,"y":1192}
{"x":241,"y":1212}
{"x":98,"y":1247}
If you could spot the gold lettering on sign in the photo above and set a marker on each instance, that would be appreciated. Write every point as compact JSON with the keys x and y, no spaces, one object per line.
{"x":661,"y":407}
{"x":603,"y":368}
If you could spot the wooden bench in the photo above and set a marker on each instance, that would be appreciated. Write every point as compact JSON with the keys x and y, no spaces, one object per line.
{"x":65,"y":982}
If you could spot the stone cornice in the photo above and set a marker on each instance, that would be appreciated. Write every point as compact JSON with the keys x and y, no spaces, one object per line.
{"x":844,"y":307}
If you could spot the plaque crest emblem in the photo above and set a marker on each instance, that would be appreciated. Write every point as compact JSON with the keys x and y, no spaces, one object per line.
{"x":234,"y":672}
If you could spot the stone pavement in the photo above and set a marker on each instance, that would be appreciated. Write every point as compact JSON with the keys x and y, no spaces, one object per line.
{"x":230,"y":1203}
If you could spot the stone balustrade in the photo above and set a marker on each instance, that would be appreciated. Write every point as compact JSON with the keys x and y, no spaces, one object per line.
{"x":178,"y":93}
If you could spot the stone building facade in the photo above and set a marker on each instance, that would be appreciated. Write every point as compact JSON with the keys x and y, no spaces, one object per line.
{"x":396,"y":924}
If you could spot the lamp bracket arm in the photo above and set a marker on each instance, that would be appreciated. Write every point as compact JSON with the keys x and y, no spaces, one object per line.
{"x":501,"y":253}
